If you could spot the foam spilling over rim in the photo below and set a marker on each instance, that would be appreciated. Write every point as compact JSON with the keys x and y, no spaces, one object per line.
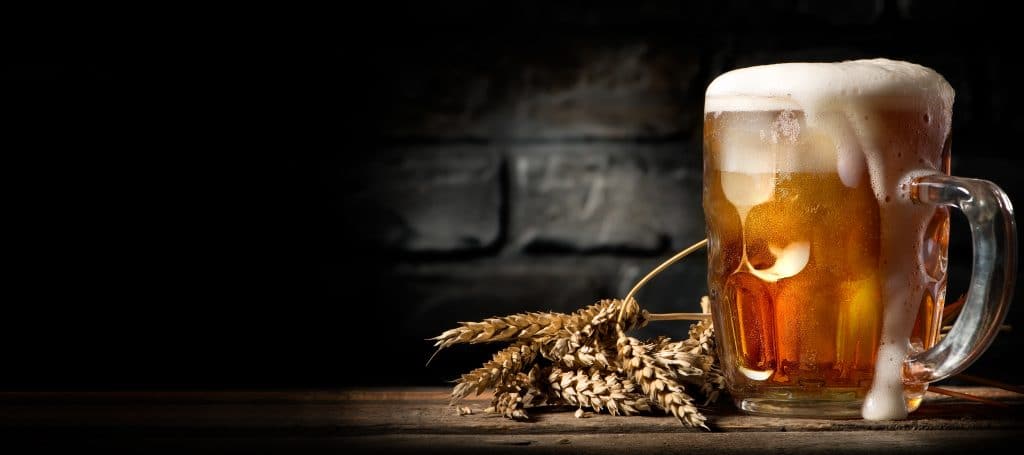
{"x":815,"y":86}
{"x":840,"y":101}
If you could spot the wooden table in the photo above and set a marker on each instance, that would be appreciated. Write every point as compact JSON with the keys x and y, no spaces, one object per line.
{"x":419,"y":420}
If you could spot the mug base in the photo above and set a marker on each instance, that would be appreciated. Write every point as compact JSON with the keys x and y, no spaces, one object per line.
{"x":828,"y":409}
{"x":822,"y":409}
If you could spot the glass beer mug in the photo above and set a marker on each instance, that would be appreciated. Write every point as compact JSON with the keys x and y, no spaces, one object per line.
{"x":826,"y":187}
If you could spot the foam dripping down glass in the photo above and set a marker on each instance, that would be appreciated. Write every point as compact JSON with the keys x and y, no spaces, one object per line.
{"x":826,"y":195}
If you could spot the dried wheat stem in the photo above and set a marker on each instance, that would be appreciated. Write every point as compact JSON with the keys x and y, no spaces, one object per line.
{"x":1002,"y":328}
{"x":677,"y":316}
{"x":989,"y":382}
{"x":951,"y":310}
{"x":664,"y":265}
{"x":505,"y":364}
{"x":967,"y":396}
{"x":589,"y":362}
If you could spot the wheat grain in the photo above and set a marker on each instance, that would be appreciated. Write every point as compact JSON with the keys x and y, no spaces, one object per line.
{"x":597,"y":391}
{"x":659,"y":383}
{"x":595,"y":354}
{"x":585,"y":359}
{"x":516,"y":326}
{"x":502,"y":366}
{"x":512,"y":396}
{"x":538,"y":326}
{"x":600,"y":324}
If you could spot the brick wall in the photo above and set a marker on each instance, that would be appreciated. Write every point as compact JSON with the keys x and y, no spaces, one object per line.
{"x":283,"y":207}
{"x":519,"y":158}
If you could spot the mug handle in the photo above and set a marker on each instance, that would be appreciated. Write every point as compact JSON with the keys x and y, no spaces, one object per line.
{"x":992,"y":276}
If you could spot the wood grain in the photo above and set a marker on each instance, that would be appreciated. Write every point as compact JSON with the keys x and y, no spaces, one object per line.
{"x":417,"y":420}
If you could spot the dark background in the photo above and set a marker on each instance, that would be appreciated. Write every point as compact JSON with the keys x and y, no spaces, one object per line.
{"x":302,"y":200}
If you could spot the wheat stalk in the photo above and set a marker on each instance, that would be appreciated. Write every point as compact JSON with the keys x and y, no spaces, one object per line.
{"x":597,"y":391}
{"x":512,"y":396}
{"x":502,"y":366}
{"x":592,"y":355}
{"x":599,"y":325}
{"x":586,"y":369}
{"x":585,"y":359}
{"x":659,"y":383}
{"x":516,"y":326}
{"x":544,"y":327}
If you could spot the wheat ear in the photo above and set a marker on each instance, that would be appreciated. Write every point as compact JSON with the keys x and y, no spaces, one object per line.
{"x":505,"y":364}
{"x":597,"y":391}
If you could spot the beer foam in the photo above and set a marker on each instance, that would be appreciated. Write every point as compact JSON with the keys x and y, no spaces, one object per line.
{"x":812,"y":87}
{"x":776,"y":141}
{"x":840,"y":101}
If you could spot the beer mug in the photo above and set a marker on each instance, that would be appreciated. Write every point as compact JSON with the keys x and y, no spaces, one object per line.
{"x":826,"y":187}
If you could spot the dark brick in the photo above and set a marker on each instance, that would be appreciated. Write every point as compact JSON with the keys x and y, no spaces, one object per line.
{"x":556,"y":88}
{"x":604,"y":197}
{"x":618,"y":92}
{"x":445,"y":198}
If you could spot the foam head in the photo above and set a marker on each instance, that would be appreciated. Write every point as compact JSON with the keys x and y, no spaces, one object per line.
{"x":813,"y":87}
{"x":821,"y":117}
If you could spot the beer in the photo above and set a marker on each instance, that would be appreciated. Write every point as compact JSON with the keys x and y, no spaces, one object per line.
{"x":818,"y":259}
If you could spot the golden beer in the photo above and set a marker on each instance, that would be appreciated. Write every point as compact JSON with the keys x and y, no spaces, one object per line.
{"x":795,"y":254}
